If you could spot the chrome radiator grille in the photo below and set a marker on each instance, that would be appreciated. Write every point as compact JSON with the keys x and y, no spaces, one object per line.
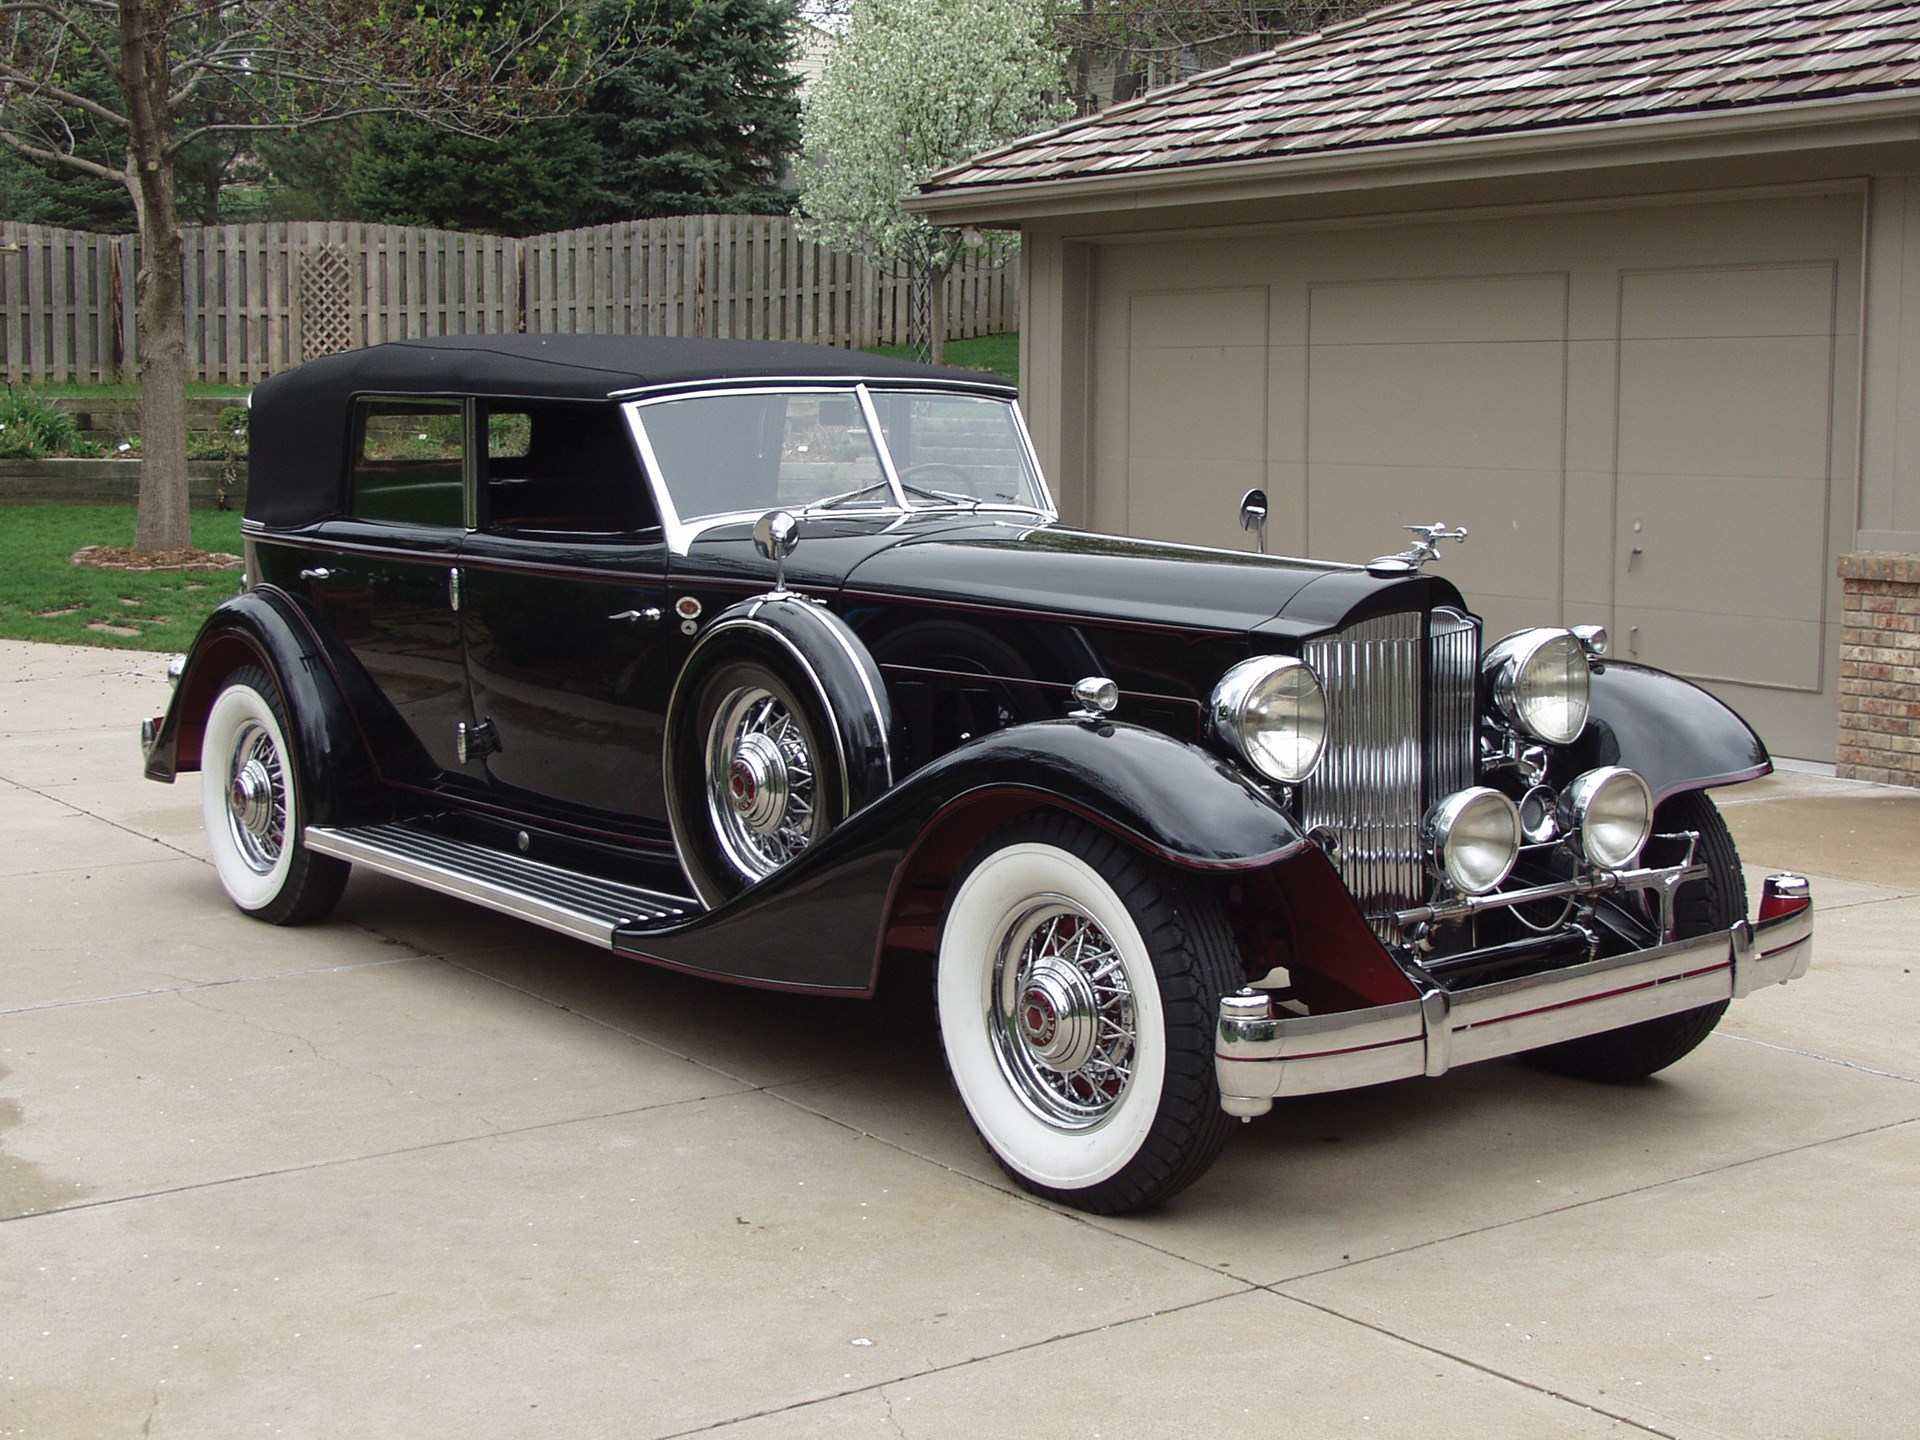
{"x":1400,"y":730}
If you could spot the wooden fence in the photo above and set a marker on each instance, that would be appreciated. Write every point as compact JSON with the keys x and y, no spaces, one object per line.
{"x":260,"y":298}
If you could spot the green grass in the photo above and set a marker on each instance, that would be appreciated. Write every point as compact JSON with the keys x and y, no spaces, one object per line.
{"x":44,"y":597}
{"x":130,"y":394}
{"x":998,"y":353}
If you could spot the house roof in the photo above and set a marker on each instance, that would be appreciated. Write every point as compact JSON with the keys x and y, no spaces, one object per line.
{"x":1435,"y":70}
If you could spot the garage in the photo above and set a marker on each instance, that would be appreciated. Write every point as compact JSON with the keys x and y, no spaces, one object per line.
{"x":1633,"y":413}
{"x":1636,"y":302}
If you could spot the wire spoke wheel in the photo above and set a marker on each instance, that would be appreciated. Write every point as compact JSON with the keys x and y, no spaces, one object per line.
{"x":763,"y":790}
{"x":1064,"y":1021}
{"x":257,"y":798}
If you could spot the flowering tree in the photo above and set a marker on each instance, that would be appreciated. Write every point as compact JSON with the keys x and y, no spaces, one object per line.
{"x":911,"y":87}
{"x":119,"y":89}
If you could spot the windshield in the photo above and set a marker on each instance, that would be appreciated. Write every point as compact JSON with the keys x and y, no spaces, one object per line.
{"x":814,"y":451}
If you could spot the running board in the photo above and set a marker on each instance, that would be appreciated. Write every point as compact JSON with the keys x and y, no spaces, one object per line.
{"x":583,"y":906}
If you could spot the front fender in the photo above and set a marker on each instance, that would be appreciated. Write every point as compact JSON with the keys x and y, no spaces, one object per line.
{"x":1670,"y":730}
{"x":880,"y":880}
{"x":265,"y":627}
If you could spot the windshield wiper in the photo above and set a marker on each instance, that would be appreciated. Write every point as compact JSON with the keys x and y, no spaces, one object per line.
{"x":847,"y":496}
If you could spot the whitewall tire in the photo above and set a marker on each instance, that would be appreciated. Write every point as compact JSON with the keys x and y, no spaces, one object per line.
{"x":250,"y":800}
{"x":1078,"y":989}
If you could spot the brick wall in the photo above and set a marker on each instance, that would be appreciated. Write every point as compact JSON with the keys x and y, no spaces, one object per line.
{"x":1880,"y":669}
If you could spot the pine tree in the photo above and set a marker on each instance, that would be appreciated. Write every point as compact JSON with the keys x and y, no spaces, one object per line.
{"x":699,"y":111}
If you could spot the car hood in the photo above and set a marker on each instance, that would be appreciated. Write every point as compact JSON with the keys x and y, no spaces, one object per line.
{"x":1075,"y":574}
{"x":1029,"y":567}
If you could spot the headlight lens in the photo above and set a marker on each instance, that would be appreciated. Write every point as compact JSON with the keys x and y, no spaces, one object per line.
{"x":1611,"y":810}
{"x":1272,"y":713}
{"x":1473,"y":838}
{"x":1540,"y":681}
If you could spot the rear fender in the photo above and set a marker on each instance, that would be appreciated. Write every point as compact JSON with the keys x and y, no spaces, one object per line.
{"x":265,"y":627}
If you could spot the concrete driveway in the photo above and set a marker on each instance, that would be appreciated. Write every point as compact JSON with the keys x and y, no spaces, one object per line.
{"x":422,"y":1171}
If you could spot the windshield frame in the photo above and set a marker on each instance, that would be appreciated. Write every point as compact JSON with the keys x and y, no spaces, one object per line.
{"x":894,"y":506}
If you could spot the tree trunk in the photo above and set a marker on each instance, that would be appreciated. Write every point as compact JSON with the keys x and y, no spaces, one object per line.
{"x":145,"y":74}
{"x":937,"y":325}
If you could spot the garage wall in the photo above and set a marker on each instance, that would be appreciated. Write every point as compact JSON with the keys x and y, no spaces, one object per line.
{"x":1551,"y":381}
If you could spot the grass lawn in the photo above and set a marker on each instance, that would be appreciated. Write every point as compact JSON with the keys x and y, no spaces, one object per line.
{"x":45,"y":597}
{"x":998,"y":353}
{"x":130,"y":394}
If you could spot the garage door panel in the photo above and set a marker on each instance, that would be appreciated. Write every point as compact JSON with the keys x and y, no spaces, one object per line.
{"x":1174,"y":498}
{"x":1755,"y":406}
{"x":1748,"y":300}
{"x":1444,"y":311}
{"x":1724,"y":437}
{"x":1417,"y":406}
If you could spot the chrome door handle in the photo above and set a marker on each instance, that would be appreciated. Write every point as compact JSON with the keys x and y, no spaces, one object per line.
{"x":633,"y":617}
{"x":321,"y":572}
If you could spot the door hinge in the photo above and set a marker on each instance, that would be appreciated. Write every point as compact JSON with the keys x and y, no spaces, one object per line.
{"x":475,"y":742}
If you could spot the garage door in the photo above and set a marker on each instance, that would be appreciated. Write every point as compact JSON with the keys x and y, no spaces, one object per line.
{"x":1640,"y":414}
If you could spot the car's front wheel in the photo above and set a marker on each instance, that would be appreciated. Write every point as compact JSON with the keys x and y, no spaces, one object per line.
{"x":251,"y":802}
{"x":1079,"y":986}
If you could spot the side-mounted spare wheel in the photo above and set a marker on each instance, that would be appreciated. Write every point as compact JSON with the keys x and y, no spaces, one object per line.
{"x":255,"y":814}
{"x":776,"y":732}
{"x":1079,"y":986}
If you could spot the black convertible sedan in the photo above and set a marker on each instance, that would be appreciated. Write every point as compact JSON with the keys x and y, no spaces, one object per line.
{"x":775,"y":663}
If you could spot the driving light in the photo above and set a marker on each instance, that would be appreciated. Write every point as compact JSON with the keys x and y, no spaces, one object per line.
{"x":1472,"y":838}
{"x":1540,"y":679}
{"x":1272,"y":713}
{"x":1611,"y":810}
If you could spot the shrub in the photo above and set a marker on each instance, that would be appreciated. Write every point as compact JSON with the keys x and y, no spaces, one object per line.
{"x":32,"y":428}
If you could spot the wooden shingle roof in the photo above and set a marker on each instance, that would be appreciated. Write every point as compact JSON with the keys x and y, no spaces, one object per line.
{"x":1452,"y":69}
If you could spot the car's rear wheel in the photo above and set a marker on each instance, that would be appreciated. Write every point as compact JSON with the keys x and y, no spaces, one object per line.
{"x":1079,"y":986}
{"x":1702,"y":907}
{"x":251,"y":801}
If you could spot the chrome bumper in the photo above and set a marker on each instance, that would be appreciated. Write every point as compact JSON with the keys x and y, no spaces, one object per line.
{"x":1260,"y":1055}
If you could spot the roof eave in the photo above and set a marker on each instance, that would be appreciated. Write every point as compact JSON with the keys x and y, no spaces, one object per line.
{"x":1892,"y":118}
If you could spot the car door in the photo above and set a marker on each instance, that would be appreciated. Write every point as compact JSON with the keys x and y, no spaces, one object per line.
{"x":382,"y":576}
{"x":570,"y":652}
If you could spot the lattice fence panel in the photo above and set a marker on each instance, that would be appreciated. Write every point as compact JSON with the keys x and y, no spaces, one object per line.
{"x":326,"y":300}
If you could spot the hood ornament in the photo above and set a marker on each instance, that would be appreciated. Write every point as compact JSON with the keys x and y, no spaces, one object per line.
{"x":1423,"y":549}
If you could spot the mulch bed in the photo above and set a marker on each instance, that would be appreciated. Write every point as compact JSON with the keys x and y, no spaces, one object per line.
{"x":125,"y":557}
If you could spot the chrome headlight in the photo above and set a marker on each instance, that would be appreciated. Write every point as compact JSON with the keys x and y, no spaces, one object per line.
{"x":1540,"y":681}
{"x":1611,"y":810}
{"x":1473,"y":837}
{"x":1272,"y":713}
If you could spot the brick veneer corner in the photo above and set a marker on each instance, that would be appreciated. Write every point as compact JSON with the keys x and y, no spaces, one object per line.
{"x":1880,"y":669}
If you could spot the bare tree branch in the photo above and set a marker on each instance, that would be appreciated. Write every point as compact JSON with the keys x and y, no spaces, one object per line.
{"x":56,"y":157}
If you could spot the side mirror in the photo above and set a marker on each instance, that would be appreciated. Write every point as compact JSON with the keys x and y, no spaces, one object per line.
{"x":1253,"y":518}
{"x":774,"y":536}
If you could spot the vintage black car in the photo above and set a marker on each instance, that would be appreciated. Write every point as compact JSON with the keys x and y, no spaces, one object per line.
{"x":774,"y":663}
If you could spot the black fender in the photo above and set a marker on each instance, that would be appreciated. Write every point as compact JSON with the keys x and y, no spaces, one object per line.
{"x":879,"y":881}
{"x":816,"y":653}
{"x":1670,"y":730}
{"x":264,"y":626}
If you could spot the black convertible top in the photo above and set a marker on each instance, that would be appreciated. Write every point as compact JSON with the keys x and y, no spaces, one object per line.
{"x":298,"y":428}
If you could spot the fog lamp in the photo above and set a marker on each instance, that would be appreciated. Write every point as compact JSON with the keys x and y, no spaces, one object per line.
{"x":1611,"y":810}
{"x":1472,"y":838}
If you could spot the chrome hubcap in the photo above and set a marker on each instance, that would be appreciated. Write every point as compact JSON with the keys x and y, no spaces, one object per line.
{"x":761,"y":787}
{"x":257,"y":799}
{"x":1063,"y":1026}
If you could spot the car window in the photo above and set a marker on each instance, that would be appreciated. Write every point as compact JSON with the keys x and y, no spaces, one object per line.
{"x":721,"y":454}
{"x":562,"y":467}
{"x":956,"y":447}
{"x":410,"y":462}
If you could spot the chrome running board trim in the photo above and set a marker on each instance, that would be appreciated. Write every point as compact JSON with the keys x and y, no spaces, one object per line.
{"x":583,"y":906}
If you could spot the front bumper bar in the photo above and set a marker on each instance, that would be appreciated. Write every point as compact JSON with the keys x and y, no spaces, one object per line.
{"x":1261,"y":1055}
